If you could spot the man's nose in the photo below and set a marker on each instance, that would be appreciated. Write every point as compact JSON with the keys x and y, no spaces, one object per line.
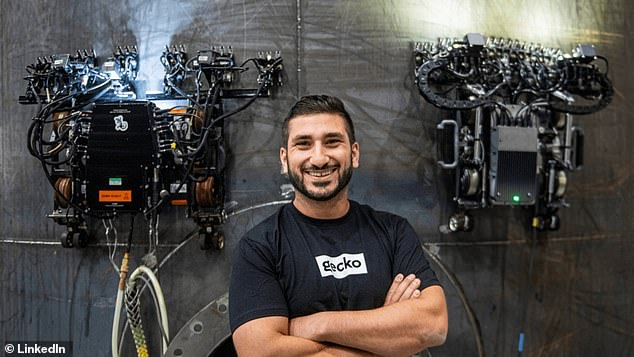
{"x":319,"y":157}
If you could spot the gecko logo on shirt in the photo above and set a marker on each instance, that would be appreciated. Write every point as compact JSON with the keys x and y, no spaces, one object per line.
{"x":341,"y":266}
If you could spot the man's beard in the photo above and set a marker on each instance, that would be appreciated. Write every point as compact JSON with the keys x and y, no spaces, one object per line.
{"x":298,"y":183}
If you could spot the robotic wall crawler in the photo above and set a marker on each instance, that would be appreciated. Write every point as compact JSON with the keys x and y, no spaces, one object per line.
{"x":510,"y":139}
{"x":108,"y":147}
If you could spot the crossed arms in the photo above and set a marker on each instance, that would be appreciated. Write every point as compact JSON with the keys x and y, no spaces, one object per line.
{"x":409,"y":321}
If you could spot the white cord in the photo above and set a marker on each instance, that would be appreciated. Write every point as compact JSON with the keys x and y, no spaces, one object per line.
{"x":115,"y":324}
{"x":156,"y":232}
{"x":153,"y":225}
{"x":110,"y":227}
{"x":243,"y":210}
{"x":150,"y":234}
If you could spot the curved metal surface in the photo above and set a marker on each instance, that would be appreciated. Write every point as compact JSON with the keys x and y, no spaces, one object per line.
{"x":207,"y":331}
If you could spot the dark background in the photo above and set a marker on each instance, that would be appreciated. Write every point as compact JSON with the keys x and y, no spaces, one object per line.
{"x":578,"y":300}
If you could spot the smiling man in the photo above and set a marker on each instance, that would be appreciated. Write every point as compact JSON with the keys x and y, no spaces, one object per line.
{"x":325,"y":275}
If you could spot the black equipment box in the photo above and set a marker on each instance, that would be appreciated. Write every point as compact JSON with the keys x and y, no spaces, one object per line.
{"x":120,"y":157}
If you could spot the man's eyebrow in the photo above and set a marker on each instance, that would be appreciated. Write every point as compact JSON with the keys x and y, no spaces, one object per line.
{"x":301,"y":137}
{"x":330,"y":135}
{"x":334,"y":135}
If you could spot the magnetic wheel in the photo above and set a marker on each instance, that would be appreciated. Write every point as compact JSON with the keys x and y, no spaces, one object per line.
{"x":66,"y":239}
{"x":80,"y":239}
{"x":460,"y":222}
{"x":70,"y":239}
{"x":214,"y":239}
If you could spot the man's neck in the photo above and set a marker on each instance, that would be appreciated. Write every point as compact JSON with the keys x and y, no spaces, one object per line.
{"x":334,"y":208}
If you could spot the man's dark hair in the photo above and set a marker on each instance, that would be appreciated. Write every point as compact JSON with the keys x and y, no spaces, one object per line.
{"x":318,"y":104}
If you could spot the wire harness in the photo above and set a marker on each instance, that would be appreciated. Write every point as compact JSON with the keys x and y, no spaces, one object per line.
{"x":475,"y":71}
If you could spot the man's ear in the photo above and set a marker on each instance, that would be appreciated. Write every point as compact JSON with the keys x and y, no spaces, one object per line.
{"x":355,"y":155}
{"x":284,"y":160}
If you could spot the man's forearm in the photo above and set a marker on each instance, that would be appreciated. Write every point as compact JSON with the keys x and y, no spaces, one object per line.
{"x":402,"y":328}
{"x":342,"y":351}
{"x":284,"y":345}
{"x":268,"y":336}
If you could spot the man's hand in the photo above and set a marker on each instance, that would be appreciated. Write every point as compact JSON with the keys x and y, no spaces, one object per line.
{"x":402,"y":288}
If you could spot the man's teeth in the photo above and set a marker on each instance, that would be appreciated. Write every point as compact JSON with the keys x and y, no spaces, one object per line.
{"x":320,"y":173}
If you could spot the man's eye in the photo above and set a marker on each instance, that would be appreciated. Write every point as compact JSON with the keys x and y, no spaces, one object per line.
{"x":333,"y":142}
{"x":302,"y":143}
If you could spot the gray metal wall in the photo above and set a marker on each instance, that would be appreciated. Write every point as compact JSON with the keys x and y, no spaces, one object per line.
{"x":578,"y":301}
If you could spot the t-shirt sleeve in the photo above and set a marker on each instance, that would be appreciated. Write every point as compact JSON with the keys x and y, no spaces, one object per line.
{"x":409,"y":256}
{"x":254,"y":291}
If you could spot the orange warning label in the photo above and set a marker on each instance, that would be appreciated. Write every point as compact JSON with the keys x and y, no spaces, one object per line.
{"x":115,"y":196}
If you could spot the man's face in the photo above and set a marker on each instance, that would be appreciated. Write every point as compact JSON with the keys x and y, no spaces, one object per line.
{"x":319,"y":156}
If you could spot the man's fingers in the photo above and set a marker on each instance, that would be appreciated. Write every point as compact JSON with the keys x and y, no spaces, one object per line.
{"x":410,"y":290}
{"x":402,"y":288}
{"x":390,"y":293}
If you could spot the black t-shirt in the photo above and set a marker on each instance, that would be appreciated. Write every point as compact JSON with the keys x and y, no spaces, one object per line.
{"x":293,"y":265}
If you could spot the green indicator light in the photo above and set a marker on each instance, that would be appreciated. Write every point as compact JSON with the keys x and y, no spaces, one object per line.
{"x":115,"y":181}
{"x":516,"y":198}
